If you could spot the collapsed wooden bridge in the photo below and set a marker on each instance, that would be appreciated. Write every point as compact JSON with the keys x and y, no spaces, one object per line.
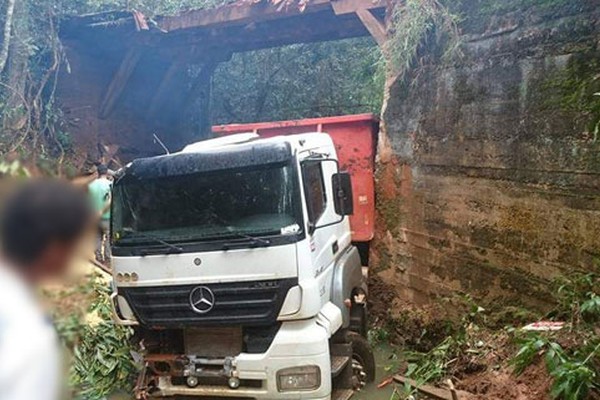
{"x":137,"y":74}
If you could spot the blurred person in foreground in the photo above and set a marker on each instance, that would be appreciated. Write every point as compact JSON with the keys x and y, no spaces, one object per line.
{"x":100,"y":195}
{"x":43,"y":227}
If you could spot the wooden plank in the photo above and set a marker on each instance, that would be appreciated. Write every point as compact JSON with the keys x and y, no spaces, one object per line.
{"x":324,"y":26}
{"x":200,"y":83}
{"x":119,"y":81}
{"x":373,"y":25}
{"x":175,"y":69}
{"x":441,"y":394}
{"x":235,"y":14}
{"x":351,"y":6}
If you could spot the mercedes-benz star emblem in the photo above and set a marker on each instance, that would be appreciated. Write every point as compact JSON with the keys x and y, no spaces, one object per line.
{"x":202,"y":299}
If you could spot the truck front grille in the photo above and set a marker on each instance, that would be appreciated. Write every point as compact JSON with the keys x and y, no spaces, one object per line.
{"x":241,"y":303}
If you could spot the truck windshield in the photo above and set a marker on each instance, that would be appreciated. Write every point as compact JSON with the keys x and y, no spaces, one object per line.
{"x":226,"y":204}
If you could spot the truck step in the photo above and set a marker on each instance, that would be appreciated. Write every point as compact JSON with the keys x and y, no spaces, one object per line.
{"x":342,"y":394}
{"x":338,"y":363}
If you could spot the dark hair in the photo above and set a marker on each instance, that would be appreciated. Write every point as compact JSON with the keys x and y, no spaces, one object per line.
{"x":102,"y":169}
{"x":39,"y":213}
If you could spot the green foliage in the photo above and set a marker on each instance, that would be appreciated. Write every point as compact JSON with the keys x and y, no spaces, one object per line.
{"x":378,"y":335}
{"x":435,"y":364}
{"x":299,"y":81}
{"x":102,"y":361}
{"x":432,"y":366}
{"x":590,"y":308}
{"x":530,"y":347}
{"x":108,"y":346}
{"x":417,"y":23}
{"x":573,"y":380}
{"x":578,"y":296}
{"x":65,"y":140}
{"x":13,"y":169}
{"x":573,"y":372}
{"x":575,"y":89}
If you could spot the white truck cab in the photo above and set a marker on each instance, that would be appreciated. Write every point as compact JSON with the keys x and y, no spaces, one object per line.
{"x":233,"y":261}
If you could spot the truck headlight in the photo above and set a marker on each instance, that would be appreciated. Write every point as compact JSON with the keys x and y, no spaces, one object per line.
{"x":299,"y":378}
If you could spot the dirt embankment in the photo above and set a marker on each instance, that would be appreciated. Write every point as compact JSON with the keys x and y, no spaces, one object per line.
{"x":533,"y":384}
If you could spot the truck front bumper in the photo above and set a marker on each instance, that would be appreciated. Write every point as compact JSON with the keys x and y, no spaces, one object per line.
{"x":297,"y":344}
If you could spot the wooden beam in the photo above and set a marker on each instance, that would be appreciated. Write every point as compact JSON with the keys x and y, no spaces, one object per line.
{"x":176,"y":68}
{"x":237,"y":14}
{"x":431,"y":391}
{"x":119,"y":81}
{"x":375,"y":27}
{"x":200,"y":84}
{"x":325,"y":26}
{"x":183,"y":101}
{"x":351,"y":6}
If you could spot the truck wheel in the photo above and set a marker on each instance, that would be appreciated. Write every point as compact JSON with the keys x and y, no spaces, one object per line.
{"x":363,"y":361}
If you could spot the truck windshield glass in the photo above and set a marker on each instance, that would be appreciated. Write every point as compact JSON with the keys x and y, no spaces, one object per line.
{"x":225,"y":204}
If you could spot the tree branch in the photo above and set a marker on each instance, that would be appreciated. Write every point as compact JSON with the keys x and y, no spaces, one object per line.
{"x":10,"y":8}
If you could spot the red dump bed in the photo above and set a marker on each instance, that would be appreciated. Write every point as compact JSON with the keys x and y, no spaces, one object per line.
{"x":355,"y":140}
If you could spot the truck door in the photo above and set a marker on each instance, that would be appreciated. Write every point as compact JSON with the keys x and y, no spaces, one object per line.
{"x":328,"y":233}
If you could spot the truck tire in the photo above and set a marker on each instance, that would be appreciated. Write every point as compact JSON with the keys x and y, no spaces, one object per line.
{"x":363,"y":360}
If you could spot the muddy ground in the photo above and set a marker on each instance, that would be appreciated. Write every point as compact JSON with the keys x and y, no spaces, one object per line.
{"x":482,"y":370}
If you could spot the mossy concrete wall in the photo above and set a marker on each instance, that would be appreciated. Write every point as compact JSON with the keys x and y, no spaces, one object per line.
{"x":489,"y":177}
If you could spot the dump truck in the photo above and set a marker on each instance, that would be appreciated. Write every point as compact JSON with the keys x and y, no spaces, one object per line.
{"x":240,"y":261}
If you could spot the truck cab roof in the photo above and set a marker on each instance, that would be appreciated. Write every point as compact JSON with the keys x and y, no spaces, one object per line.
{"x":235,"y":151}
{"x":298,"y":142}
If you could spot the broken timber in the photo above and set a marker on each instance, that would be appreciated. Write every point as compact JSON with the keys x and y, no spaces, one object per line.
{"x":119,"y":81}
{"x":155,"y":53}
{"x":362,"y":9}
{"x":373,"y":25}
{"x":176,"y":68}
{"x":431,"y":391}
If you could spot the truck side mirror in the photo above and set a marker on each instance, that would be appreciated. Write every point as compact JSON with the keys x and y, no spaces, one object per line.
{"x":342,"y":194}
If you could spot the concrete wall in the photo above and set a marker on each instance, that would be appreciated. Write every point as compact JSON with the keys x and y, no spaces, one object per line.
{"x":489,"y":181}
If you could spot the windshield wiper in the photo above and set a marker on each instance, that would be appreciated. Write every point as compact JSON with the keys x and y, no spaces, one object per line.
{"x":155,"y":239}
{"x":253,"y":239}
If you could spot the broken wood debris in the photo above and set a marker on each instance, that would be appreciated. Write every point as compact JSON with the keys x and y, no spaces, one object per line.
{"x":432,"y":391}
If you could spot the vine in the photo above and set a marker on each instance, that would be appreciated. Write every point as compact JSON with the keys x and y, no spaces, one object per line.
{"x":27,"y":89}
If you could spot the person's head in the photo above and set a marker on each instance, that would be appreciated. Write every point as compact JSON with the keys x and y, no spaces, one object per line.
{"x":41,"y":227}
{"x":102,"y":170}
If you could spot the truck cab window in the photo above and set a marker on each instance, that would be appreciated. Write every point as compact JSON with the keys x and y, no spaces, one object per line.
{"x":206,"y":206}
{"x":314,"y":186}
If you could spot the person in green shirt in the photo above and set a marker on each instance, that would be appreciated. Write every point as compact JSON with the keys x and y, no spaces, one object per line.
{"x":99,"y":191}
